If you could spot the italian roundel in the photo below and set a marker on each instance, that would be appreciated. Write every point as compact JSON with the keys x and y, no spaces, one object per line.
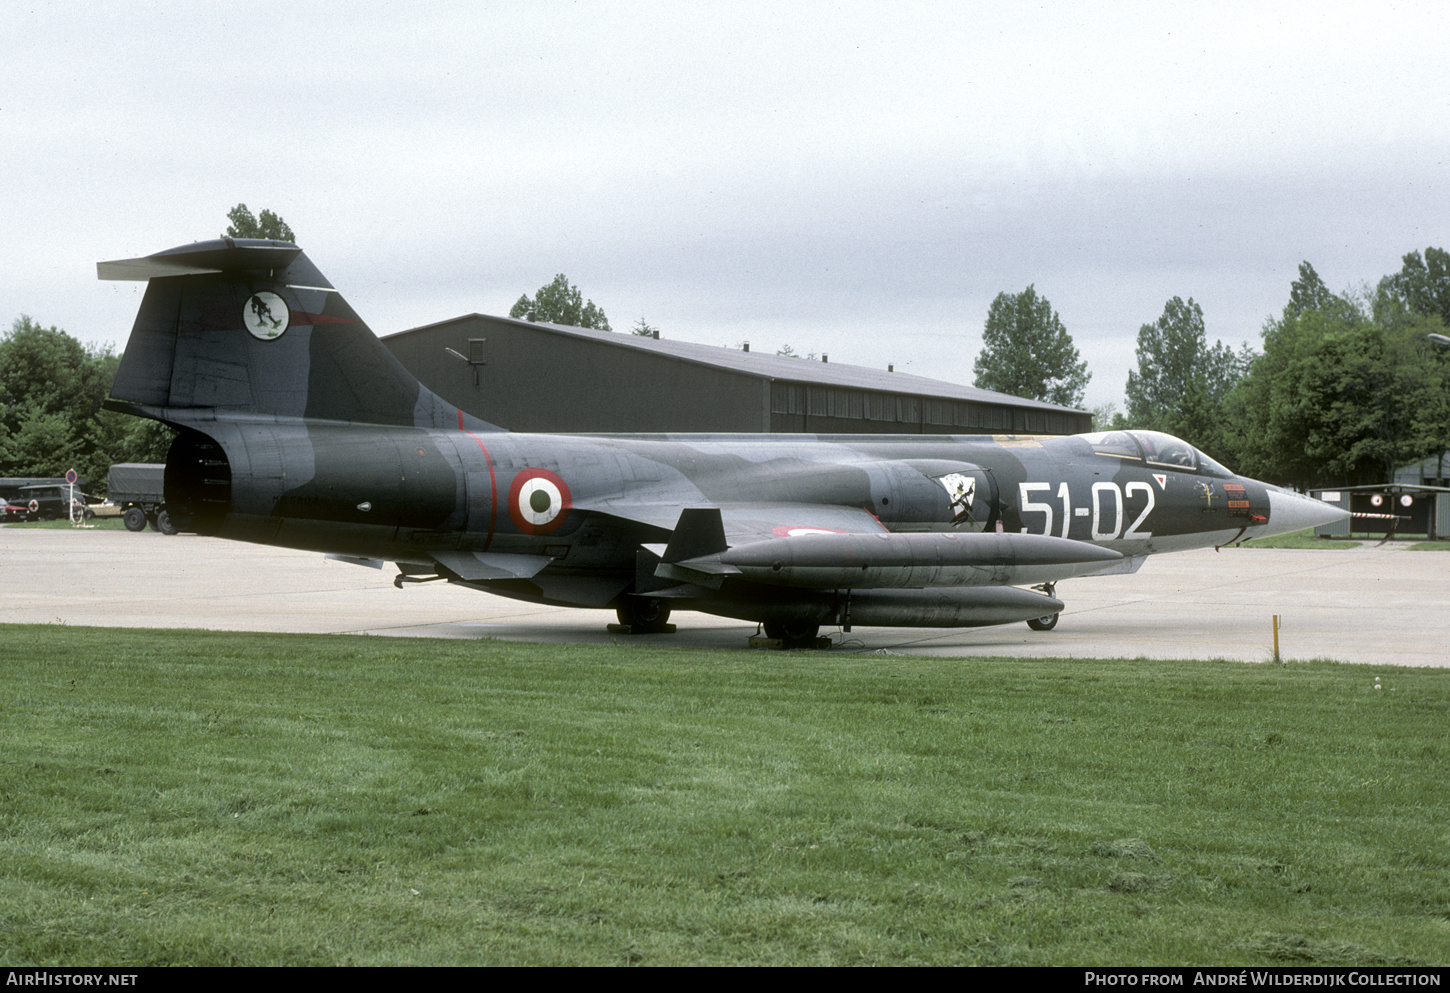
{"x":538,"y":501}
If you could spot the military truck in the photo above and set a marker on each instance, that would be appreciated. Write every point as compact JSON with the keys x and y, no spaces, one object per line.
{"x":138,"y":489}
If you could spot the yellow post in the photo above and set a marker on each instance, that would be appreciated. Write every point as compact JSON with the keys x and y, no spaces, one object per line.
{"x":1276,"y":637}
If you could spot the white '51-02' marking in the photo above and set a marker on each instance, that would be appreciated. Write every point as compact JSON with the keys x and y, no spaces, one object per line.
{"x":1104,"y":495}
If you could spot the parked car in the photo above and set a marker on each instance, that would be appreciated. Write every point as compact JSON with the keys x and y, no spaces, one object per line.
{"x":103,"y":510}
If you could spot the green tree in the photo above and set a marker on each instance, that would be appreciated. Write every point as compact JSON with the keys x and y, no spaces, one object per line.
{"x":45,"y":370}
{"x":1180,"y":383}
{"x":51,"y":420}
{"x":1308,"y":292}
{"x":43,"y":443}
{"x":1346,"y":390}
{"x":1026,"y":352}
{"x":1422,"y":286}
{"x":644,"y":329}
{"x":268,"y":225}
{"x":560,"y":302}
{"x":113,"y":437}
{"x":145,"y":440}
{"x":1107,"y":417}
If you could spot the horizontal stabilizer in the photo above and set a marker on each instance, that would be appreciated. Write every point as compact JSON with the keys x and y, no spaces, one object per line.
{"x":227,"y":255}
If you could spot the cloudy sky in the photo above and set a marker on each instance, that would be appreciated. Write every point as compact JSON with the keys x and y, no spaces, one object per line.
{"x":859,"y":179}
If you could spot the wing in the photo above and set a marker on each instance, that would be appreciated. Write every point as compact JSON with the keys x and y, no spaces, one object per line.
{"x":750,"y":524}
{"x":742,"y":522}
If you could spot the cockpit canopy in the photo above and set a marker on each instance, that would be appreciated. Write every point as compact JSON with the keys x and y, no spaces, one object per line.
{"x":1155,"y":448}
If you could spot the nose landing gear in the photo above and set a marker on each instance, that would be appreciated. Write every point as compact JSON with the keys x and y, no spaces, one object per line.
{"x":1047,"y":621}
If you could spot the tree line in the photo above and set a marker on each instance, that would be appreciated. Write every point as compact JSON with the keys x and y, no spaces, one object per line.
{"x":1344,"y":388}
{"x":51,"y":389}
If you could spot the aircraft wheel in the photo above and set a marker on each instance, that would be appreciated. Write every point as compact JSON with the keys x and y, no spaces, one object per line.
{"x":643,"y":614}
{"x":1044,"y":623}
{"x":793,"y":634}
{"x":134,"y":518}
{"x":164,"y":524}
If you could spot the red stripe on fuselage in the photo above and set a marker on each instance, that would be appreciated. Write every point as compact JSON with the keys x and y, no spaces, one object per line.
{"x":492,"y":481}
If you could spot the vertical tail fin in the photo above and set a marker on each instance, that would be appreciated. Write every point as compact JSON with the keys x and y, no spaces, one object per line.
{"x":251,"y":326}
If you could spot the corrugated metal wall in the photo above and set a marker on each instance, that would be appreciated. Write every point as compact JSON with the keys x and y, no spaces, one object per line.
{"x":529,"y":378}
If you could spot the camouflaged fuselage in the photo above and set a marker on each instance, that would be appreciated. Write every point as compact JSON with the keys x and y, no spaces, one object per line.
{"x":299,"y":429}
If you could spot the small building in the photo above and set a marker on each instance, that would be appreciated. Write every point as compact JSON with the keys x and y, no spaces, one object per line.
{"x":1387,"y":509}
{"x":528,"y":376}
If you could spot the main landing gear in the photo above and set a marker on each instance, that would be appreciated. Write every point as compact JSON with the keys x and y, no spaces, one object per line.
{"x":1047,"y":621}
{"x":793,"y":634}
{"x":642,"y":615}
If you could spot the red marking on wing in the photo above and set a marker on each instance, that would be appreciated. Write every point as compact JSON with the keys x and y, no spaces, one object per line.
{"x":792,"y":530}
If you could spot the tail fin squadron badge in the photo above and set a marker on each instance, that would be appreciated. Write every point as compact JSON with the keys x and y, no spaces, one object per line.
{"x":266,"y":316}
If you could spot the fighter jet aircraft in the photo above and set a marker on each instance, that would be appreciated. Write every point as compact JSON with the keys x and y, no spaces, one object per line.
{"x":299,"y":428}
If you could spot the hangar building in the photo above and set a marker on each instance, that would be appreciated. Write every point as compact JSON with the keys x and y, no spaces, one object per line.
{"x":547,"y":377}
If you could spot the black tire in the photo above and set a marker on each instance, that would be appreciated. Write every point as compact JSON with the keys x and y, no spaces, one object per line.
{"x":643,"y":614}
{"x":163,"y":523}
{"x":793,"y":634}
{"x":134,"y":518}
{"x":1044,"y":623}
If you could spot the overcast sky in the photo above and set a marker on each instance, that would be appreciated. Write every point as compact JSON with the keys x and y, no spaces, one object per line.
{"x":848,"y":178}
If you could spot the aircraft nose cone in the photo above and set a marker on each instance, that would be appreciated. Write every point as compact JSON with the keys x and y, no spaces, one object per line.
{"x":1295,"y":512}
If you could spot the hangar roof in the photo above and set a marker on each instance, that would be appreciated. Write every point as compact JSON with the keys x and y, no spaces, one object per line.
{"x":768,"y":366}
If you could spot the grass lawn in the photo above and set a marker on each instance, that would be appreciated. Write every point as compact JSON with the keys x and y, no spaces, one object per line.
{"x":202,"y":798}
{"x":1301,"y":539}
{"x":1308,"y":539}
{"x":98,"y":523}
